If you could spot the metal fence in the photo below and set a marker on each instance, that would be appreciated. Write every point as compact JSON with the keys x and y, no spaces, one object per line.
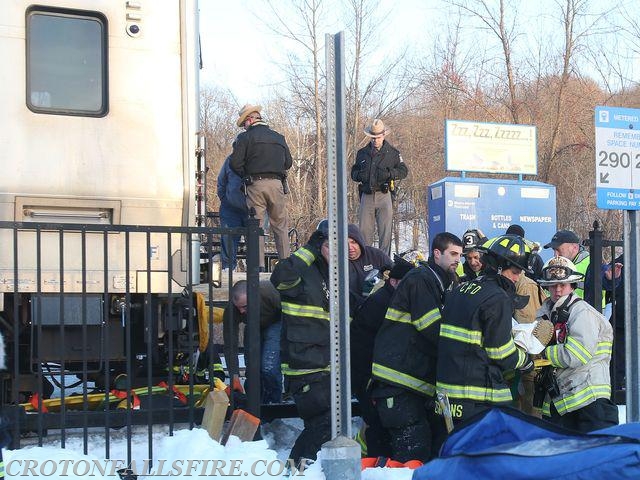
{"x":602,"y":251}
{"x":103,"y":327}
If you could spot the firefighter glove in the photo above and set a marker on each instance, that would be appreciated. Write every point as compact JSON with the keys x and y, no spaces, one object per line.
{"x":528,"y":365}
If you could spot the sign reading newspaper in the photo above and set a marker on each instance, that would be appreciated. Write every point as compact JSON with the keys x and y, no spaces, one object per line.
{"x":490,"y":147}
{"x":617,"y":158}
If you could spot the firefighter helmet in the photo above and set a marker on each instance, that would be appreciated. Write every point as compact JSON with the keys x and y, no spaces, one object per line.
{"x":472,"y":240}
{"x":507,"y":251}
{"x":559,"y":270}
{"x":323,"y":226}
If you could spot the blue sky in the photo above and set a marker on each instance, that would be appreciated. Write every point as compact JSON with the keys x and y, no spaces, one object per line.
{"x":241,"y":53}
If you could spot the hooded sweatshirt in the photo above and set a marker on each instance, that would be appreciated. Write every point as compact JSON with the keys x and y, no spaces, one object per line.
{"x":370,"y":258}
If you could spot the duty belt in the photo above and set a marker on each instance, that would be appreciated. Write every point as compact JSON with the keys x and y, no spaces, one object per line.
{"x":264,"y":176}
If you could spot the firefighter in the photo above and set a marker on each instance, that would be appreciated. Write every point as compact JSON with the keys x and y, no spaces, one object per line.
{"x":364,"y":327}
{"x":566,"y":243}
{"x":303,"y":282}
{"x":523,"y":385}
{"x":476,"y":347}
{"x":472,"y":265}
{"x":404,"y":355}
{"x":578,"y":382}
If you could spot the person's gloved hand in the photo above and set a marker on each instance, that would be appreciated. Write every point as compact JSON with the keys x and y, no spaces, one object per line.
{"x":528,"y":365}
{"x":316,"y":240}
{"x":236,"y":386}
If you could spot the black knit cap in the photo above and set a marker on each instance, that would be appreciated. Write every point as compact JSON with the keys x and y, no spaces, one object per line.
{"x":515,"y":229}
{"x":400,"y":267}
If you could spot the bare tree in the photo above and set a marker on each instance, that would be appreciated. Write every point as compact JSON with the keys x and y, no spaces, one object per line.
{"x":302,"y":27}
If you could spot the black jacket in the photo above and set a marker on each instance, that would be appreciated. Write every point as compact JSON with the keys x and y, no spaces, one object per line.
{"x":468,"y":273}
{"x":476,"y":346}
{"x":260,"y":150}
{"x":363,"y":329}
{"x":270,"y":313}
{"x":371,"y":171}
{"x":406,"y":346}
{"x":371,"y":258}
{"x":303,"y":282}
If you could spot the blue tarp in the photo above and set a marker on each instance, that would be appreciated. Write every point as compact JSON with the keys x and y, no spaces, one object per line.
{"x":507,"y":445}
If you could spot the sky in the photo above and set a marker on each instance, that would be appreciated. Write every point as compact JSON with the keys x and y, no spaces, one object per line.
{"x":243,"y":54}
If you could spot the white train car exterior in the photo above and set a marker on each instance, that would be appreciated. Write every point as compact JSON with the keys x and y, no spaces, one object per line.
{"x":98,"y":125}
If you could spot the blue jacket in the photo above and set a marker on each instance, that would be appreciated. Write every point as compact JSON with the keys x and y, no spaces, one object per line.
{"x":230,"y":189}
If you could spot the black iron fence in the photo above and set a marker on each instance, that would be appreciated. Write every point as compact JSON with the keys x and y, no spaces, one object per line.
{"x":104,"y":326}
{"x":603,"y":251}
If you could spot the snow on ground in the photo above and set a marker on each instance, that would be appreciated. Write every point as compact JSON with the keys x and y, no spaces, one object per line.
{"x":261,"y":459}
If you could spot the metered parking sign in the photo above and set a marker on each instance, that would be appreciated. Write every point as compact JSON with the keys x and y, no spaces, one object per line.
{"x":617,"y":158}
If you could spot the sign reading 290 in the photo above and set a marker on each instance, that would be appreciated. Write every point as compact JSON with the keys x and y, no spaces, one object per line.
{"x":617,"y":158}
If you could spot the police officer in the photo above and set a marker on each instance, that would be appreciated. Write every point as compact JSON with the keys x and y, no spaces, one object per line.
{"x":377,"y":167}
{"x":261,"y":157}
{"x":476,"y":347}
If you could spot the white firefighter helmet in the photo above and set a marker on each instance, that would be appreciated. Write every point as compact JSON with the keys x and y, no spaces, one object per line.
{"x":559,"y":270}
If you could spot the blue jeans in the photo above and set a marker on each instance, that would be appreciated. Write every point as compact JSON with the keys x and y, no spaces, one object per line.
{"x":230,"y":218}
{"x":270,"y":373}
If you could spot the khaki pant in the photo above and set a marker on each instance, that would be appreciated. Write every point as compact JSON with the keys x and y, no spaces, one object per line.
{"x":376,"y":209}
{"x":267,"y":196}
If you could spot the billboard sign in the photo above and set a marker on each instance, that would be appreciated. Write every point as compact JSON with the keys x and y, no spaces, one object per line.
{"x":617,"y":158}
{"x":490,"y":147}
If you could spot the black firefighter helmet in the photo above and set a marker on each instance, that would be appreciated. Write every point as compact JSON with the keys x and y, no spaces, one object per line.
{"x":507,"y":251}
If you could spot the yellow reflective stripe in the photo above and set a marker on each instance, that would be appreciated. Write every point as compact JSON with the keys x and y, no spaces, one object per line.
{"x":400,"y":378}
{"x":308,"y":311}
{"x":482,"y":394}
{"x":552,"y":355}
{"x":604,"y":348}
{"x":287,"y":286}
{"x":584,"y":397}
{"x":578,"y":350}
{"x":305,"y":255}
{"x":499,"y":353}
{"x":460,"y":334}
{"x":292,"y":372}
{"x":362,"y":441}
{"x":397,"y":316}
{"x":522,"y":358}
{"x":428,"y":319}
{"x":546,"y":409}
{"x":217,"y":367}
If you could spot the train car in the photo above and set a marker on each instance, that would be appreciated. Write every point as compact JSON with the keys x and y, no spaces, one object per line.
{"x":99,"y":129}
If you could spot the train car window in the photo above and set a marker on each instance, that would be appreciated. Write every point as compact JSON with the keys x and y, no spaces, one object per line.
{"x":66,"y":62}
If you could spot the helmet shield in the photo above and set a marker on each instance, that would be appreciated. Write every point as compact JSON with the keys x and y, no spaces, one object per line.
{"x":559,"y":270}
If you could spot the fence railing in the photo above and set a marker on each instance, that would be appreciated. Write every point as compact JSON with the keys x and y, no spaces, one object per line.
{"x":103,"y":328}
{"x":599,"y":250}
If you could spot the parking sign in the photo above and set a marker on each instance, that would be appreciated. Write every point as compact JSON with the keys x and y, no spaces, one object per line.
{"x":617,"y":158}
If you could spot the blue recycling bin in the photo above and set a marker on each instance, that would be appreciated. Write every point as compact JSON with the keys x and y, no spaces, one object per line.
{"x":458,"y":204}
